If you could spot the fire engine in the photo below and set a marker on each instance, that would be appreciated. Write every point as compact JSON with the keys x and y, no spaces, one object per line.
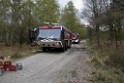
{"x":75,"y":38}
{"x":50,"y":37}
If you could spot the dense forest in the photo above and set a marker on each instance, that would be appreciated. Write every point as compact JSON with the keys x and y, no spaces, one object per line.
{"x":17,"y":16}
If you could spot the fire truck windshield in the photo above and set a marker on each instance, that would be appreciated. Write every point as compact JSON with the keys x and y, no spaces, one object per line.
{"x":49,"y":34}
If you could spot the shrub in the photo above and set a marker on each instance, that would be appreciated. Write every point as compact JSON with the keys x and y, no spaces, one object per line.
{"x":116,"y":59}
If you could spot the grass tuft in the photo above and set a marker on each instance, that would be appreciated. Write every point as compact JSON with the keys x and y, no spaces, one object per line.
{"x":108,"y":65}
{"x":15,"y":52}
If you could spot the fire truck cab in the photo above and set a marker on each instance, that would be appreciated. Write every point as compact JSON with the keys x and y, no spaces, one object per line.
{"x":51,"y":36}
{"x":75,"y":38}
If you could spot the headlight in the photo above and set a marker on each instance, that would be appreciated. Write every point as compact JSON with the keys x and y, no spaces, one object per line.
{"x":76,"y":40}
{"x":57,"y":43}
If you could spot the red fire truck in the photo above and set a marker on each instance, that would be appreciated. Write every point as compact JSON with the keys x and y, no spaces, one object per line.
{"x":51,"y":36}
{"x":75,"y":38}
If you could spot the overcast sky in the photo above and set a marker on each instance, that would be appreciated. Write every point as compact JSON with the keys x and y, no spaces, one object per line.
{"x":77,"y":3}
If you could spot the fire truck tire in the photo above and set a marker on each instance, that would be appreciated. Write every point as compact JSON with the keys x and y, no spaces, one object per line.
{"x":1,"y":72}
{"x":70,"y":44}
{"x":63,"y":48}
{"x":44,"y":49}
{"x":66,"y":46}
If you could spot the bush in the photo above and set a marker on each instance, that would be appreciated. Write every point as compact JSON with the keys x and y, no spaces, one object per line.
{"x":108,"y":64}
{"x":116,"y":59}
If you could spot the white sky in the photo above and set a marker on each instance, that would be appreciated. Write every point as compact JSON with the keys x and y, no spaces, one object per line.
{"x":77,"y":3}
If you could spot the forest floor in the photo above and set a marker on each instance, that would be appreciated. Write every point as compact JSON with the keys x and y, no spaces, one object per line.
{"x":15,"y":52}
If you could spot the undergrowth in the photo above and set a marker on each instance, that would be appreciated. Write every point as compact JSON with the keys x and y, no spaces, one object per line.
{"x":108,"y":64}
{"x":15,"y":52}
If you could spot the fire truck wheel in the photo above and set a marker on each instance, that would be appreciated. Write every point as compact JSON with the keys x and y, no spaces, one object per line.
{"x":66,"y":46}
{"x":19,"y":66}
{"x":44,"y":49}
{"x":70,"y":44}
{"x":63,"y":49}
{"x":1,"y":72}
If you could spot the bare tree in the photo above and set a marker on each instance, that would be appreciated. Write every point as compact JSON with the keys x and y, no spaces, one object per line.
{"x":94,"y":10}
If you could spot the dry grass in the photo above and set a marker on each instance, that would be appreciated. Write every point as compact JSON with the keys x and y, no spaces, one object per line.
{"x":15,"y":52}
{"x":108,"y":64}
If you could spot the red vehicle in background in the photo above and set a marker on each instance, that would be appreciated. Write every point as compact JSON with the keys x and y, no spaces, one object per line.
{"x":51,"y":36}
{"x":75,"y":38}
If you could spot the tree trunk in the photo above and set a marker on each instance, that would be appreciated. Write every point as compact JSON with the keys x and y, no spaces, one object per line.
{"x":97,"y":37}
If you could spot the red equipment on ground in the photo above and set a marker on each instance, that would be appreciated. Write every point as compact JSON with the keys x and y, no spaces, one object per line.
{"x":6,"y":65}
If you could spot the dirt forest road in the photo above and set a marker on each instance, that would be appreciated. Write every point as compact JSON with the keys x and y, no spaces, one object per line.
{"x":53,"y":67}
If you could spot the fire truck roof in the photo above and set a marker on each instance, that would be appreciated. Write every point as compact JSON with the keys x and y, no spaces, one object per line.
{"x":54,"y":27}
{"x":49,"y":27}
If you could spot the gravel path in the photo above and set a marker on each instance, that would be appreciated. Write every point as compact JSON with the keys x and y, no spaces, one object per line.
{"x":68,"y":67}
